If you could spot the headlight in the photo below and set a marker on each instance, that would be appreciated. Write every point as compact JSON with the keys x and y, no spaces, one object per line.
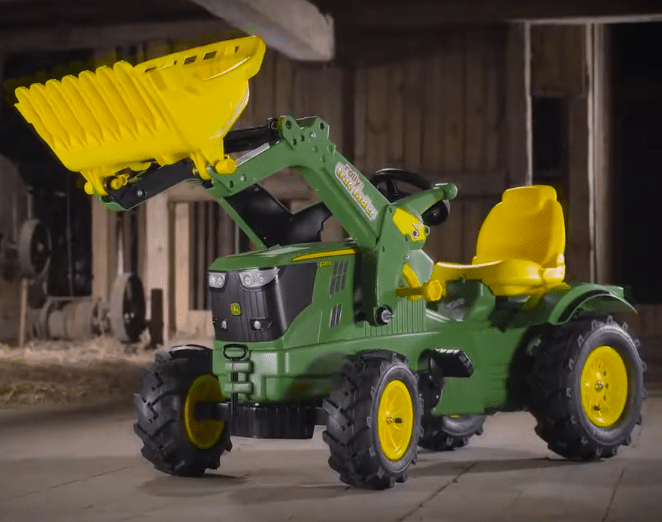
{"x":256,"y":278}
{"x":216,"y":279}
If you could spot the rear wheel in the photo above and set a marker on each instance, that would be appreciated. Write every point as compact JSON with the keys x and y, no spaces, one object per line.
{"x":587,"y":388}
{"x":374,"y":420}
{"x":450,"y":432}
{"x":174,"y":441}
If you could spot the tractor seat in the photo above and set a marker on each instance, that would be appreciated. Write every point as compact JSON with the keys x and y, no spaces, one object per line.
{"x":520,"y":245}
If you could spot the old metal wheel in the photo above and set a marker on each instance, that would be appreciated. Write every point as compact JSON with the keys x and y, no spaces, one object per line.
{"x":34,"y":249}
{"x":126,"y":311}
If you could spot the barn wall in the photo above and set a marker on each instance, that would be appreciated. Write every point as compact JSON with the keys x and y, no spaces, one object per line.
{"x":13,"y":211}
{"x":440,"y":111}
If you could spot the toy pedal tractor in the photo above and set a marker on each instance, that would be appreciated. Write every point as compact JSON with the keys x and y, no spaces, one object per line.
{"x":367,"y":336}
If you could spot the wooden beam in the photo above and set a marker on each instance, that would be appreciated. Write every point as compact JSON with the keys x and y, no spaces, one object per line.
{"x":281,"y":185}
{"x":579,"y":254}
{"x":201,"y":325}
{"x":101,"y":252}
{"x":557,"y":69}
{"x":519,"y":157}
{"x":294,"y":27}
{"x":643,"y":18}
{"x":473,"y":184}
{"x":188,"y":192}
{"x":603,"y":175}
{"x":106,"y":36}
{"x":581,"y":220}
{"x":422,"y":14}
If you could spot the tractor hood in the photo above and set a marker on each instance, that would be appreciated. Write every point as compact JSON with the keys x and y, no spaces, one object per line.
{"x":284,"y":255}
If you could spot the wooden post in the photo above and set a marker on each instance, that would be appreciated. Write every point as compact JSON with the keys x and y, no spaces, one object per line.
{"x":603,"y":175}
{"x":519,"y":158}
{"x":579,"y":240}
{"x":563,"y":66}
{"x":182,"y":267}
{"x":579,"y":248}
{"x":23,"y":309}
{"x":157,"y":249}
{"x":104,"y":251}
{"x":100,"y":250}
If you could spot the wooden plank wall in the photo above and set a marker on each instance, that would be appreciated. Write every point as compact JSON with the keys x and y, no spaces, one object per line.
{"x":13,"y":211}
{"x":647,"y":325}
{"x":441,"y":114}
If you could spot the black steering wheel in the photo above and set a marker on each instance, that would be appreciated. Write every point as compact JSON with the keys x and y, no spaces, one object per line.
{"x":389,"y":180}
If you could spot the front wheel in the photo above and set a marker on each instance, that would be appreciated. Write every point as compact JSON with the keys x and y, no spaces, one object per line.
{"x":587,"y":388}
{"x":374,"y":420}
{"x":174,"y":441}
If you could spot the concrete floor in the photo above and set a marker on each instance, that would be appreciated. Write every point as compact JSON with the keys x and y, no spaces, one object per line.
{"x":87,"y":467}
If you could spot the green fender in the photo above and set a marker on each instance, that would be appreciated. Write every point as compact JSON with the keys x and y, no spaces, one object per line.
{"x":558,"y":305}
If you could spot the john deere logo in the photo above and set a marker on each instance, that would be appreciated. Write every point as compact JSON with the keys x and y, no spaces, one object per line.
{"x":235,"y":309}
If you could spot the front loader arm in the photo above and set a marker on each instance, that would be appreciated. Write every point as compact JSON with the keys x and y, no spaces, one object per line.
{"x":304,"y":146}
{"x":384,"y":232}
{"x":301,"y":145}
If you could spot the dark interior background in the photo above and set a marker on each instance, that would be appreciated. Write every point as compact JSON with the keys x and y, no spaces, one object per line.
{"x":638,"y":158}
{"x":57,"y":202}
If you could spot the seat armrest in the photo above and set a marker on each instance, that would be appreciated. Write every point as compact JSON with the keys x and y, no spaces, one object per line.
{"x":553,"y":274}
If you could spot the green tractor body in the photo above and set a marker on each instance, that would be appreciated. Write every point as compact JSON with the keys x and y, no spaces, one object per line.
{"x":368,"y":336}
{"x":313,"y":320}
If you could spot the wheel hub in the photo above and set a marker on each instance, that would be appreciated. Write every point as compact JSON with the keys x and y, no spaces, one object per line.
{"x":395,"y":420}
{"x":203,"y":434}
{"x":604,"y":386}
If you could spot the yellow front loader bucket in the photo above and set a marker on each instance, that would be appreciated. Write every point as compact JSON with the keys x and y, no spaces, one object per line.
{"x":164,"y":110}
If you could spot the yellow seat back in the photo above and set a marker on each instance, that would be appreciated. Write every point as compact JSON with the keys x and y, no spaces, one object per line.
{"x":527,"y":224}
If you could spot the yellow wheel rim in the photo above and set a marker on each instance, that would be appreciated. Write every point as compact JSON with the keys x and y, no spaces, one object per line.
{"x":203,"y":434}
{"x":395,"y":420}
{"x":604,"y":386}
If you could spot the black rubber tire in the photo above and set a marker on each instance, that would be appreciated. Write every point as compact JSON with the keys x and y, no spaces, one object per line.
{"x":448,"y":433}
{"x":352,"y":436}
{"x":160,"y":404}
{"x":555,"y":388}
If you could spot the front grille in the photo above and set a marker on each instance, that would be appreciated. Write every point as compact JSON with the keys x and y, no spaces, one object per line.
{"x":339,"y":278}
{"x":261,"y":314}
{"x":336,"y":314}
